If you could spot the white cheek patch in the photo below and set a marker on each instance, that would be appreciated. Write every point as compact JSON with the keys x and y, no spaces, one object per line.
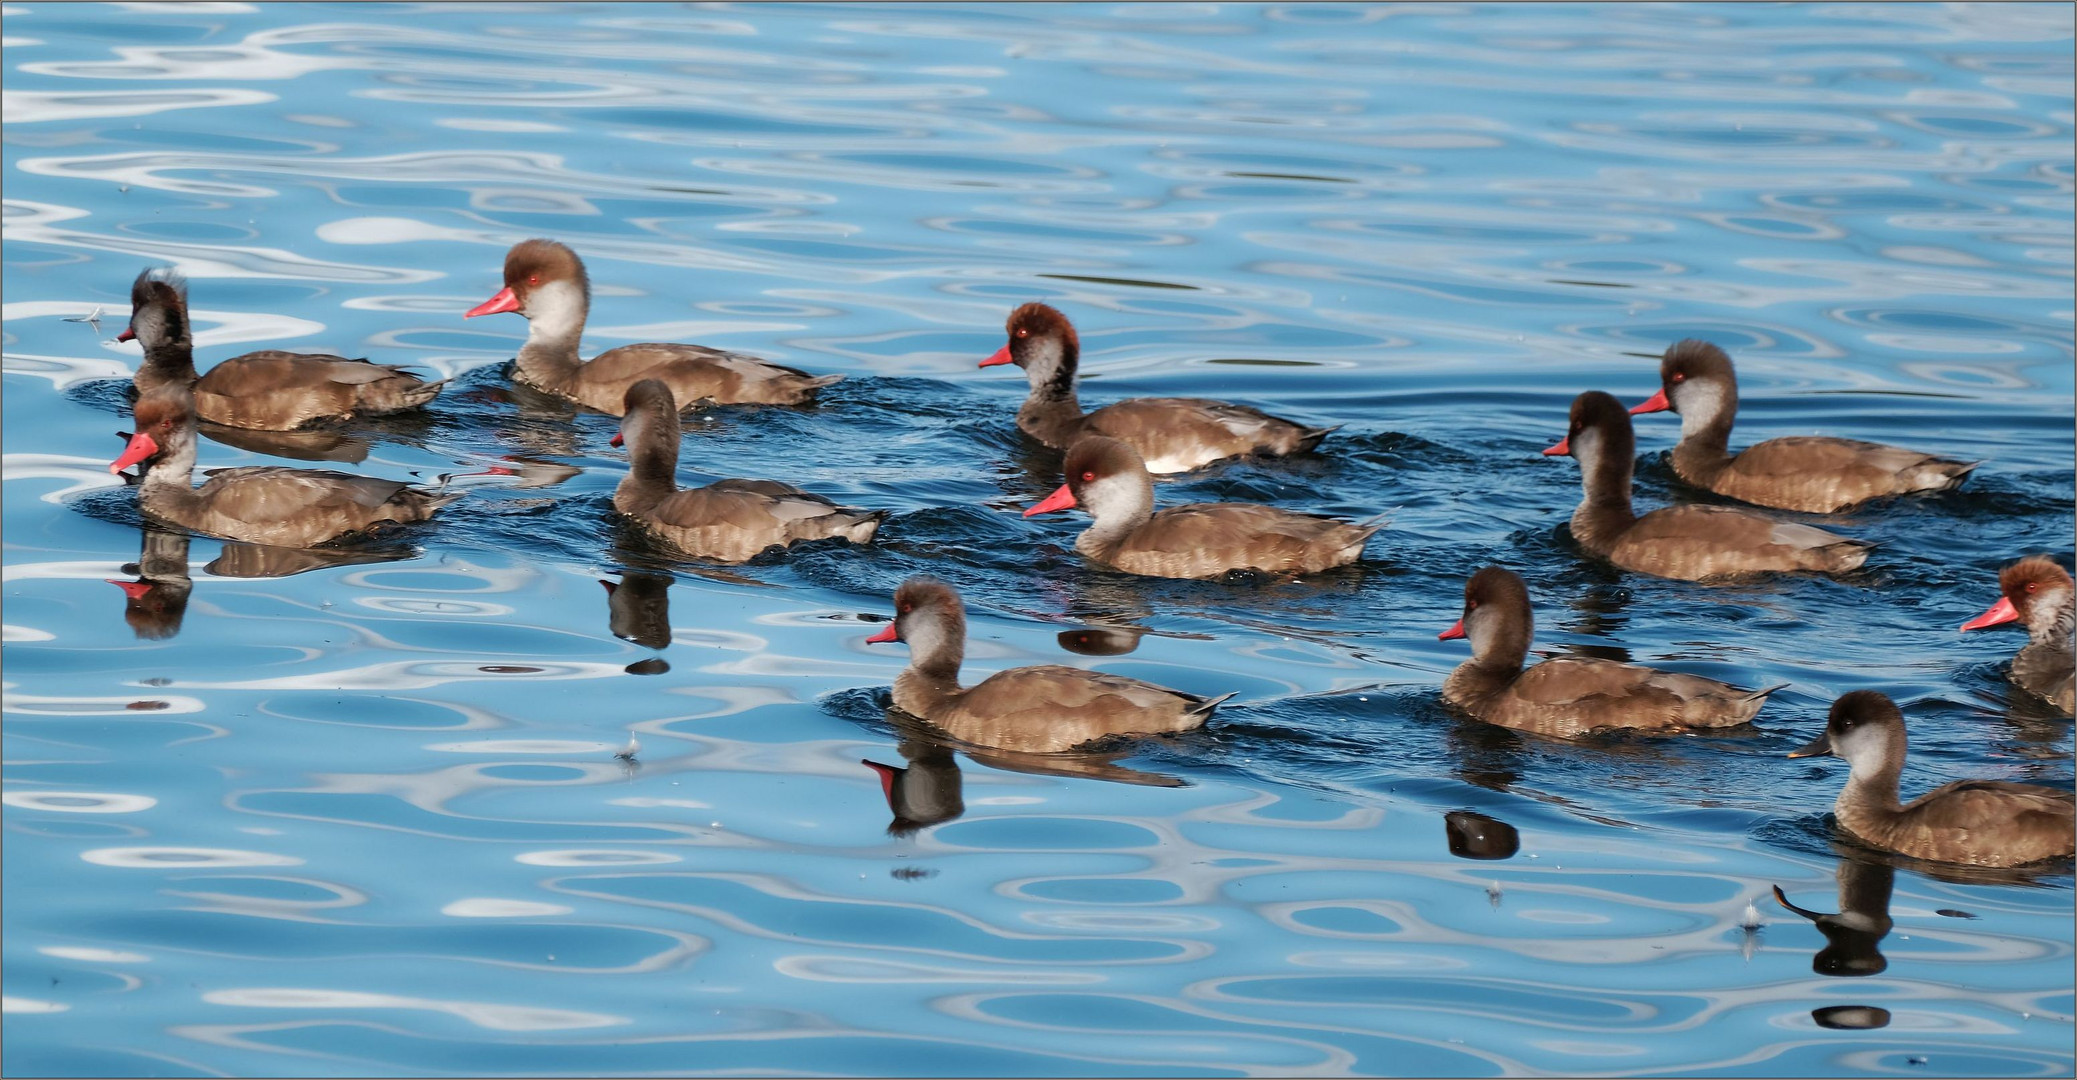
{"x":555,"y":309}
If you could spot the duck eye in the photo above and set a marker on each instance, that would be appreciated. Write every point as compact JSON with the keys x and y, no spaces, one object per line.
{"x":1023,"y":332}
{"x":2032,"y":585}
{"x":1679,"y":375}
{"x":1088,"y":475}
{"x":533,"y":279}
{"x":1469,"y":604}
{"x":906,"y":608}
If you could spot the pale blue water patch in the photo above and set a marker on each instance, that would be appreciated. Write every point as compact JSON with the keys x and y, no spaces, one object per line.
{"x":369,"y":817}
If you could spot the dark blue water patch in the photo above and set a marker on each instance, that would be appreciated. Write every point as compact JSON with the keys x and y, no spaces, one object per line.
{"x":899,"y":928}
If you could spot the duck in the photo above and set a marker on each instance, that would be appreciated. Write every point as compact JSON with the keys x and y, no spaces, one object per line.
{"x":2038,"y":596}
{"x":545,"y":283}
{"x":1812,"y":473}
{"x":1568,"y":697}
{"x":1852,"y":935}
{"x":268,"y":390}
{"x":1173,"y":435}
{"x":1045,"y":708}
{"x":1686,"y":543}
{"x":726,"y":521}
{"x":1968,"y":822}
{"x":1108,"y":478}
{"x":266,"y":504}
{"x":155,"y":604}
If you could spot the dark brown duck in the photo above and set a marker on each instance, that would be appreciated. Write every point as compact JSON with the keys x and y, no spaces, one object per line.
{"x":1687,"y":542}
{"x":1971,"y":822}
{"x":1040,"y":709}
{"x":268,"y":390}
{"x":729,"y":520}
{"x":1570,"y":696}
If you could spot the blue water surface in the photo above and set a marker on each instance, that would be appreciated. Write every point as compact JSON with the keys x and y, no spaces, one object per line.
{"x":368,"y":819}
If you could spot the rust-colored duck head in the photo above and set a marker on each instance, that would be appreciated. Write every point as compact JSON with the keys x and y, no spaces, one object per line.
{"x":546,"y":283}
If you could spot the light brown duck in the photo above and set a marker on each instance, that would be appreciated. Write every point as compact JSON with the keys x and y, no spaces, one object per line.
{"x":1570,"y":696}
{"x":1199,"y":540}
{"x":2037,"y":595}
{"x":268,"y":390}
{"x":1812,"y":473}
{"x":545,"y":282}
{"x":1972,"y":822}
{"x":1687,"y":542}
{"x":728,"y":521}
{"x":267,"y":504}
{"x":1041,"y":709}
{"x":1171,"y":434}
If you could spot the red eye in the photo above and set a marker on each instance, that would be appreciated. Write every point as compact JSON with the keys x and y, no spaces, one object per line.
{"x":1678,"y":376}
{"x":1088,"y":476}
{"x":2032,"y":585}
{"x":533,"y":279}
{"x":1469,"y":604}
{"x":1021,"y":332}
{"x":906,"y":608}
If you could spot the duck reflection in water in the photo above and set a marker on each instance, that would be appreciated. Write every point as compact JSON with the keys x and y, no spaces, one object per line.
{"x":1476,"y":836}
{"x":639,"y":610}
{"x":156,"y":603}
{"x":1862,"y":921}
{"x":928,"y":791}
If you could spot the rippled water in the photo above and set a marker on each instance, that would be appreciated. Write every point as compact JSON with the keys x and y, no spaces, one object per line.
{"x":368,"y":818}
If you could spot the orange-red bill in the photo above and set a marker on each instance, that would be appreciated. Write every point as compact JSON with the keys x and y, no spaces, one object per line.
{"x":141,"y":447}
{"x":1062,"y":499}
{"x":135,"y":590}
{"x":505,"y":300}
{"x":1563,"y":448}
{"x":999,"y":356}
{"x":885,"y":635}
{"x":2000,"y":612}
{"x":1456,"y":630}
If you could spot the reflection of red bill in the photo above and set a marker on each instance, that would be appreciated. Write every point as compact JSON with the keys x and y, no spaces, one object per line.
{"x":135,"y":590}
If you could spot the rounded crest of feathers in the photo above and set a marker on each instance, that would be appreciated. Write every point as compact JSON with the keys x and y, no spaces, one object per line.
{"x":1694,"y":358}
{"x":531,"y":263}
{"x":166,"y":289}
{"x":924,"y":591}
{"x":1036,"y":320}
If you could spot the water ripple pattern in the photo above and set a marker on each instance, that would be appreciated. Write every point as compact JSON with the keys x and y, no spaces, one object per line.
{"x":447,"y":807}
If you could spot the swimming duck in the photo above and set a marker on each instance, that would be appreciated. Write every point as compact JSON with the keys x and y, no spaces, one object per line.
{"x":1040,"y":709}
{"x":1570,"y":696}
{"x":1172,"y":434}
{"x":265,"y":504}
{"x":1687,"y":542}
{"x":729,"y":520}
{"x":1107,"y":478}
{"x":269,"y":390}
{"x":1971,"y":822}
{"x":546,"y":283}
{"x":2038,"y":596}
{"x":1812,"y":473}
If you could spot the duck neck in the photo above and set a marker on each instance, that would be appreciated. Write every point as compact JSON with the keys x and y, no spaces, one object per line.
{"x":937,"y":646}
{"x":171,"y":362}
{"x":1499,"y":643}
{"x":1707,"y":410}
{"x":652,"y":437}
{"x":1118,"y":505}
{"x":555,"y":315}
{"x":1052,"y":411}
{"x":1870,"y":794}
{"x":167,"y":487}
{"x":2049,"y":623}
{"x":1604,"y":467}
